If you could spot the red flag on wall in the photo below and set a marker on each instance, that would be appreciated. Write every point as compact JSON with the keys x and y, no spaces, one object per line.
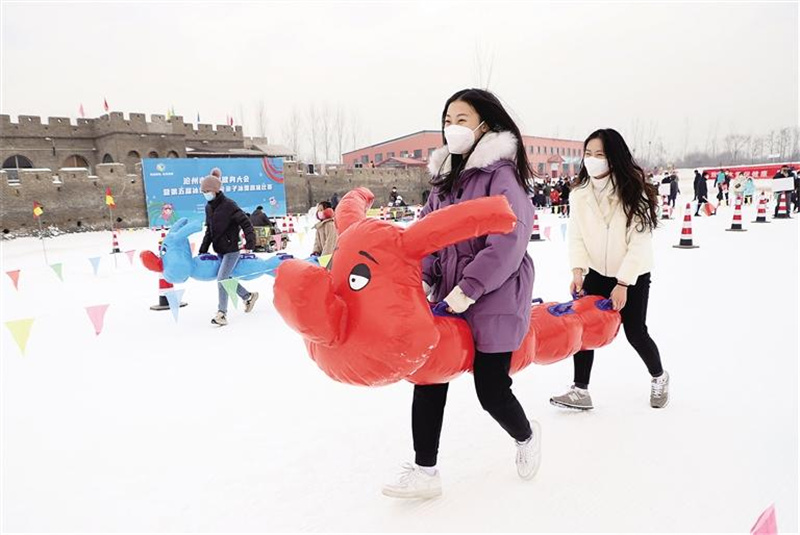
{"x":105,"y":104}
{"x":110,"y":199}
{"x":80,"y":110}
{"x":230,"y":121}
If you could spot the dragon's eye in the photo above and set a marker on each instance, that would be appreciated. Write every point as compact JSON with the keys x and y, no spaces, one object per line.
{"x":359,"y":277}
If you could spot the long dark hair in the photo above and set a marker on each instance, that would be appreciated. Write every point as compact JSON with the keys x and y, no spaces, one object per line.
{"x":639,"y":197}
{"x":495,"y":117}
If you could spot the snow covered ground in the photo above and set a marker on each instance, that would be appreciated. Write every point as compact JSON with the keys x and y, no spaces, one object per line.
{"x":158,"y":426}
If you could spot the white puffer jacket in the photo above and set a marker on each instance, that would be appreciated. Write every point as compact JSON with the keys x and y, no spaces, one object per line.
{"x":613,"y":249}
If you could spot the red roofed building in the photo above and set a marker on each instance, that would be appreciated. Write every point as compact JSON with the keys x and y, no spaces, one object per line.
{"x":551,"y":156}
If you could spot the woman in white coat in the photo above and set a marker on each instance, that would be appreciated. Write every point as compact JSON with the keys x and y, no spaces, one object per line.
{"x":611,"y":254}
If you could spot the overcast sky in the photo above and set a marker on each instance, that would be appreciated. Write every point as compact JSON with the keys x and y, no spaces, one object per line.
{"x":563,"y":69}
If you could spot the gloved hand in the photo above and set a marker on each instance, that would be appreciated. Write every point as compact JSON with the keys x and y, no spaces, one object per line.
{"x":457,"y":301}
{"x":426,"y":288}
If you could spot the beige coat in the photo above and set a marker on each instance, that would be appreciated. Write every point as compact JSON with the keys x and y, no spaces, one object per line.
{"x":325,"y":241}
{"x":612,"y":249}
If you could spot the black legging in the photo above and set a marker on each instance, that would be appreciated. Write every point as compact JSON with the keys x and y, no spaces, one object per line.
{"x":493,"y":385}
{"x":634,"y":316}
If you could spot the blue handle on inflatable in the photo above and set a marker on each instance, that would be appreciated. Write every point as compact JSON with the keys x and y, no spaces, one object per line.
{"x":537,"y":300}
{"x":604,"y":304}
{"x":561,"y":309}
{"x":440,"y":309}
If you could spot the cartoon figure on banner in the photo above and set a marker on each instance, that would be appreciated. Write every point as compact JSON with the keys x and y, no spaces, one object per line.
{"x":373,"y":298}
{"x":164,"y":213}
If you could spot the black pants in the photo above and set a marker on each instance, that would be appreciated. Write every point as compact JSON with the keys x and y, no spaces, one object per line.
{"x":634,"y":316}
{"x":493,"y":385}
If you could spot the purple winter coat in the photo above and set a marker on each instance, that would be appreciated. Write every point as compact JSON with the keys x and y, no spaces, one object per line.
{"x":494,"y":270}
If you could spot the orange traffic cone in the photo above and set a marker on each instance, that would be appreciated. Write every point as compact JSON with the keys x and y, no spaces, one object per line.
{"x":291,"y":225}
{"x":535,"y":234}
{"x":686,"y":231}
{"x":736,"y":225}
{"x":665,"y":208}
{"x":114,"y":242}
{"x":783,"y":208}
{"x":762,"y":211}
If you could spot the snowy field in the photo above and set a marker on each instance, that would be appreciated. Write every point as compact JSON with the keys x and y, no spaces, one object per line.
{"x":158,"y":426}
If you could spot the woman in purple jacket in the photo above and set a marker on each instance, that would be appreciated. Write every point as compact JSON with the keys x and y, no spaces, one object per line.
{"x":488,"y":280}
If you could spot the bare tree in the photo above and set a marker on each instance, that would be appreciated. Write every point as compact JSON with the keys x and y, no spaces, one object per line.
{"x":241,"y":117}
{"x":795,"y":148}
{"x":484,"y":65}
{"x":734,"y":146}
{"x":711,"y":140}
{"x":261,"y":119}
{"x":686,"y":131}
{"x":339,"y":127}
{"x":292,"y":131}
{"x":784,"y":142}
{"x":313,"y":132}
{"x":326,"y":132}
{"x":355,"y":130}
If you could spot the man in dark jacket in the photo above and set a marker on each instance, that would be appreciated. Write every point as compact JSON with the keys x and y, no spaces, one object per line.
{"x":701,"y":189}
{"x":697,"y":179}
{"x":673,"y":189}
{"x":224,"y":218}
{"x":334,"y":200}
{"x":259,"y":219}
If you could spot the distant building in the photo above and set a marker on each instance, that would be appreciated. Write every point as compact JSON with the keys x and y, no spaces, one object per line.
{"x":551,"y":156}
{"x":31,"y":143}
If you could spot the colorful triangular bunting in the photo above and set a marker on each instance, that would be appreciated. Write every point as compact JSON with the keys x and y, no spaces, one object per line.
{"x":174,"y":300}
{"x":230,"y":286}
{"x":97,"y":314}
{"x":21,"y":331}
{"x":95,"y":263}
{"x":57,"y":268}
{"x":14,"y":277}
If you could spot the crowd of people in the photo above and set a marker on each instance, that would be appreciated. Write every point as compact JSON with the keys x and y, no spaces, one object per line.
{"x":553,"y":193}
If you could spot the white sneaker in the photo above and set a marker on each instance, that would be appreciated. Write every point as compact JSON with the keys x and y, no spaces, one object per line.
{"x":529,"y":453}
{"x":415,"y":483}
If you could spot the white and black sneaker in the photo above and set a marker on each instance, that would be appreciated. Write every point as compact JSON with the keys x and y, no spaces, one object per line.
{"x":219,"y":319}
{"x":575,"y":398}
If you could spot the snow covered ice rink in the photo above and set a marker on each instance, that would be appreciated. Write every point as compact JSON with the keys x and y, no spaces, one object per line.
{"x":158,"y":426}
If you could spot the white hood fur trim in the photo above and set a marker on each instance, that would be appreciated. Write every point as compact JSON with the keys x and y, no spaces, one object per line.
{"x":493,"y":146}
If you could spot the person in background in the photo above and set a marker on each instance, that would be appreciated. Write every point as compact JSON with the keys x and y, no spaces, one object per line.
{"x":796,"y":191}
{"x":565,"y":190}
{"x":555,"y":199}
{"x":674,"y":189}
{"x":334,"y":200}
{"x":547,"y":190}
{"x":697,"y":179}
{"x":749,"y":190}
{"x":393,"y":196}
{"x":611,"y":254}
{"x":783,"y":173}
{"x":702,"y":193}
{"x":326,"y":236}
{"x":736,"y":186}
{"x":259,"y":219}
{"x":224,"y":219}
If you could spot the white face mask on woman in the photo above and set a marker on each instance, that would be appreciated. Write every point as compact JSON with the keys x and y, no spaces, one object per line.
{"x":595,"y":166}
{"x":459,"y":138}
